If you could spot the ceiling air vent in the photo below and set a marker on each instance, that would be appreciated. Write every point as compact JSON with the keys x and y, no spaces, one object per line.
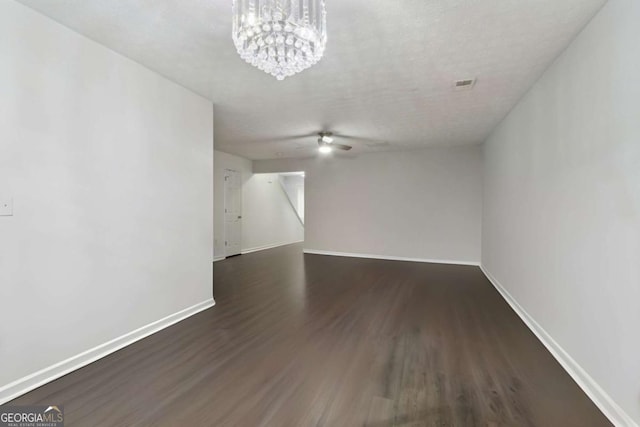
{"x":464,"y":84}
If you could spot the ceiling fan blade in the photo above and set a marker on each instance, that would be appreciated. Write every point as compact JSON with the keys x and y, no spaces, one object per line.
{"x":339,"y":135}
{"x":279,"y":139}
{"x":334,"y":145}
{"x":293,"y":137}
{"x":358,"y":138}
{"x":341,"y":146}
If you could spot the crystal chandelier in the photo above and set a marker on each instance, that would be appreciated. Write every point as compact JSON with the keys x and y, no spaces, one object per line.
{"x":280,"y":37}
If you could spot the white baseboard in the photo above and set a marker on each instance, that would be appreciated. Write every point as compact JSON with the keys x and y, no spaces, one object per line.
{"x":389,"y":258}
{"x":602,"y":400}
{"x":221,"y":258}
{"x":265,"y":247}
{"x":53,"y":372}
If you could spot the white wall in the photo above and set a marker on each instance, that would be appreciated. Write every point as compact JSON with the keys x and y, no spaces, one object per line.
{"x":268,"y":219}
{"x":111,"y":168}
{"x":423,"y":204}
{"x":561,"y":229}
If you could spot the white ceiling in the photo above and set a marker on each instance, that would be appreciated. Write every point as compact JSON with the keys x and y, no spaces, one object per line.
{"x":386,"y":78}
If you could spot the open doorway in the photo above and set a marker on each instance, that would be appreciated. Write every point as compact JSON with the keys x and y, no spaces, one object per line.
{"x":293,"y":185}
{"x":262,"y":211}
{"x":273,"y":211}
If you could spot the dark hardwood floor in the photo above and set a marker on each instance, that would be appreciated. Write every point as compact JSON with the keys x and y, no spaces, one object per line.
{"x":306,"y":340}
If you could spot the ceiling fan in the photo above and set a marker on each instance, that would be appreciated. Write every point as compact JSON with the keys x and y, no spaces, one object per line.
{"x":326,"y":141}
{"x":327,"y":144}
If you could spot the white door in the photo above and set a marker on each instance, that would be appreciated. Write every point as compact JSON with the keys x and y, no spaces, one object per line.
{"x":232,"y":212}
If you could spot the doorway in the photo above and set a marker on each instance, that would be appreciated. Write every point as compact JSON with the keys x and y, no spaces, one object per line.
{"x":273,"y":211}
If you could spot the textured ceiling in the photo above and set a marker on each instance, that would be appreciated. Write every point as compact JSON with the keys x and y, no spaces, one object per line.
{"x":386,"y":78}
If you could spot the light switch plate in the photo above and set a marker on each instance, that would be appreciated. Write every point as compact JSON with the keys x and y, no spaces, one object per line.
{"x":6,"y":206}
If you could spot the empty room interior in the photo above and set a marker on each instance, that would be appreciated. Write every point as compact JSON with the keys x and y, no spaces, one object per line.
{"x":293,"y":213}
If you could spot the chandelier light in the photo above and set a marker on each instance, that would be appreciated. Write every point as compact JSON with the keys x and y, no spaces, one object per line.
{"x":280,"y":37}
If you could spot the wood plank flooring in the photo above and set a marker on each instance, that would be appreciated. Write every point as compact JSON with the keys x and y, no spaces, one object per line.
{"x":307,"y":340}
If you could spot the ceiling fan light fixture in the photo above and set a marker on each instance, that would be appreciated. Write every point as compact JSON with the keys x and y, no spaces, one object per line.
{"x":327,"y":139}
{"x":325,"y":149}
